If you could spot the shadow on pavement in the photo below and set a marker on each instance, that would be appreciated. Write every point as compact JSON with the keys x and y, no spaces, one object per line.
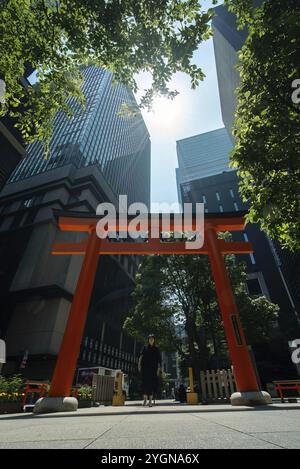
{"x":180,"y":408}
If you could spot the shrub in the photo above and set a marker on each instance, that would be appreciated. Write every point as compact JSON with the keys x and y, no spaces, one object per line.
{"x":11,"y":389}
{"x":84,"y":393}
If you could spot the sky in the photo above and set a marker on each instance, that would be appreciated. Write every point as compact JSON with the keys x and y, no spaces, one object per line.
{"x":190,"y":113}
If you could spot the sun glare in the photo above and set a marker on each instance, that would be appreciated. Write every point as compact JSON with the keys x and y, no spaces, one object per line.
{"x":165,"y":112}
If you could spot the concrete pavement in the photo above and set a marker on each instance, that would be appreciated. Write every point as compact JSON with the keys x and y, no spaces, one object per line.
{"x":167,"y":425}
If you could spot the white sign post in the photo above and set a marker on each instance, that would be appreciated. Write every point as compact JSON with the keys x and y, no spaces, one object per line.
{"x":2,"y":353}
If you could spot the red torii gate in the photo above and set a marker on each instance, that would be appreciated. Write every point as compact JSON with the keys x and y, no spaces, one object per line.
{"x":92,"y":246}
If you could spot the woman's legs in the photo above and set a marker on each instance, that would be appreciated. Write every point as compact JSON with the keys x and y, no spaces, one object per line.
{"x":150,"y":400}
{"x":145,"y":399}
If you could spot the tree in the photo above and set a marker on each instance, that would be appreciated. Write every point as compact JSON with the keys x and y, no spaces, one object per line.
{"x":151,"y":314}
{"x":178,"y":291}
{"x":57,"y":37}
{"x":267,"y":124}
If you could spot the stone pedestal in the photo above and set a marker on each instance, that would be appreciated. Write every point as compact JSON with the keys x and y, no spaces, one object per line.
{"x":251,"y":399}
{"x":47,"y":405}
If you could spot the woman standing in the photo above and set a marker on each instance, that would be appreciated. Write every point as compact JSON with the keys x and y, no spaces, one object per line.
{"x":149,"y":365}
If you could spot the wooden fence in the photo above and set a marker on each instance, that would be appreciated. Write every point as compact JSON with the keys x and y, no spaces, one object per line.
{"x":103,"y":389}
{"x":217,"y":386}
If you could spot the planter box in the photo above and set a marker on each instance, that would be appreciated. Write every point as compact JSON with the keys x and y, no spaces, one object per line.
{"x":83,"y":404}
{"x":10,"y":407}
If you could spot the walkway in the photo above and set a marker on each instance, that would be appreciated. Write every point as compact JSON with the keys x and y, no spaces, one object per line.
{"x":167,"y":425}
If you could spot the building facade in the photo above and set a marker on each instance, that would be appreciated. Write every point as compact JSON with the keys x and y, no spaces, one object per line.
{"x":12,"y":149}
{"x":94,"y":157}
{"x":201,"y":156}
{"x":228,"y":40}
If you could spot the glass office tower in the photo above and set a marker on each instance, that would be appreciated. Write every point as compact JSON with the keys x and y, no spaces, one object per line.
{"x":99,"y":134}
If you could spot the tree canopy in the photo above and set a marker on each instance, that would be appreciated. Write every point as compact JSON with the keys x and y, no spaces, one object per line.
{"x":57,"y":37}
{"x":267,"y":124}
{"x":175,"y":298}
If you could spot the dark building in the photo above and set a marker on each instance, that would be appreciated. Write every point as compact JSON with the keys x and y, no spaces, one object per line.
{"x":219,"y":193}
{"x":11,"y":149}
{"x":228,"y":40}
{"x":94,"y":157}
{"x":11,"y":144}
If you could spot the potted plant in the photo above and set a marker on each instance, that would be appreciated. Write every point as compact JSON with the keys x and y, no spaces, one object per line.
{"x":11,"y":394}
{"x":84,"y":396}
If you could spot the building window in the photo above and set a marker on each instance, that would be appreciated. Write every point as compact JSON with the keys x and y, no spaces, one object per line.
{"x":206,"y":210}
{"x":254,"y":287}
{"x":186,"y":189}
{"x":218,"y":196}
{"x":252,"y":258}
{"x":204,"y":199}
{"x":236,"y":207}
{"x":231,"y":193}
{"x":28,"y":202}
{"x":221,"y":208}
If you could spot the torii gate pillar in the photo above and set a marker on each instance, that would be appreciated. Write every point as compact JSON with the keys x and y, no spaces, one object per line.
{"x":249,"y":392}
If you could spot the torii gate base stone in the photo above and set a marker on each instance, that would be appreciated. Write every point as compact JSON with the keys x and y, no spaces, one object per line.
{"x":249,"y":392}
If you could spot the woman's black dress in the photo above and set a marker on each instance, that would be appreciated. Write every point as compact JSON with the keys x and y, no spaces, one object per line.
{"x":151,"y":360}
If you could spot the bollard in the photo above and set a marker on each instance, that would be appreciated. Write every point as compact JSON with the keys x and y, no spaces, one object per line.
{"x":118,"y":398}
{"x":191,"y":397}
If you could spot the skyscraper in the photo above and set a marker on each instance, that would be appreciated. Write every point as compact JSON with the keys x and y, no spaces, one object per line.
{"x":95,"y":156}
{"x":99,"y":134}
{"x":201,"y":156}
{"x":228,"y":40}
